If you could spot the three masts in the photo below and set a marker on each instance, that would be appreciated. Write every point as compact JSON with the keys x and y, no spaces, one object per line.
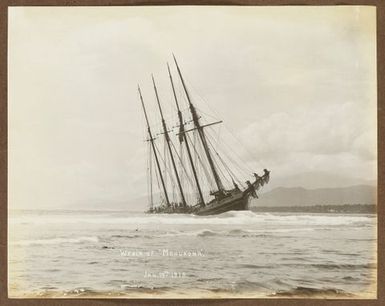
{"x":224,"y":199}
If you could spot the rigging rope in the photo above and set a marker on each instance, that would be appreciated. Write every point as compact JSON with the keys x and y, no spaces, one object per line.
{"x":151,"y":192}
{"x":245,"y":171}
{"x":208,"y":177}
{"x":166,"y":170}
{"x":162,"y":198}
{"x":250,"y":154}
{"x":213,"y":148}
{"x":181,"y":162}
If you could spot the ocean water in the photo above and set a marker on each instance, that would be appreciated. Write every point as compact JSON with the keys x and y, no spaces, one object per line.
{"x":235,"y":254}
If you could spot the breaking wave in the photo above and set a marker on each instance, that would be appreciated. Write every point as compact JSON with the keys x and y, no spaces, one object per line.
{"x":335,"y":266}
{"x":231,"y":217}
{"x":287,"y":255}
{"x":57,"y":240}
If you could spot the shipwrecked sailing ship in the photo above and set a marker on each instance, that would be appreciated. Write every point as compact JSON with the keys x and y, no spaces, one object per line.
{"x":197,"y":181}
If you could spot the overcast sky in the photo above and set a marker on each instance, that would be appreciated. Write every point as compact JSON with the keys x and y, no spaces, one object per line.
{"x":295,"y":85}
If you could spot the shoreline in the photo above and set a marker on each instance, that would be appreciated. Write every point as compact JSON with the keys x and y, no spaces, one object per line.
{"x":328,"y":209}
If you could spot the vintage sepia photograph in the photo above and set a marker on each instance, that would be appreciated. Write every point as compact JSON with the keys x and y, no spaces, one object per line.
{"x":192,"y":152}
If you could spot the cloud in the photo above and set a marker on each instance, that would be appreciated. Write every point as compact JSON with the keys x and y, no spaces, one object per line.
{"x":333,"y":138}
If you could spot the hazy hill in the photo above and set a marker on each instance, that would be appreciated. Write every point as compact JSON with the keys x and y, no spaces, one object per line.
{"x":281,"y":196}
{"x":298,"y":196}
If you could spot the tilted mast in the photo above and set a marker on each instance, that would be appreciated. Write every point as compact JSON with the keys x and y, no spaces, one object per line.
{"x":201,"y":133}
{"x":153,"y":148}
{"x":167,"y":138}
{"x":182,"y":137}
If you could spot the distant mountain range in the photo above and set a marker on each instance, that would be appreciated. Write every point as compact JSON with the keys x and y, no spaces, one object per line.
{"x":280,"y":196}
{"x":298,"y":196}
{"x":316,"y":188}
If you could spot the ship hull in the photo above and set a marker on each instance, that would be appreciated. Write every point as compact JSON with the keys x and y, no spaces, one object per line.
{"x":235,"y":202}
